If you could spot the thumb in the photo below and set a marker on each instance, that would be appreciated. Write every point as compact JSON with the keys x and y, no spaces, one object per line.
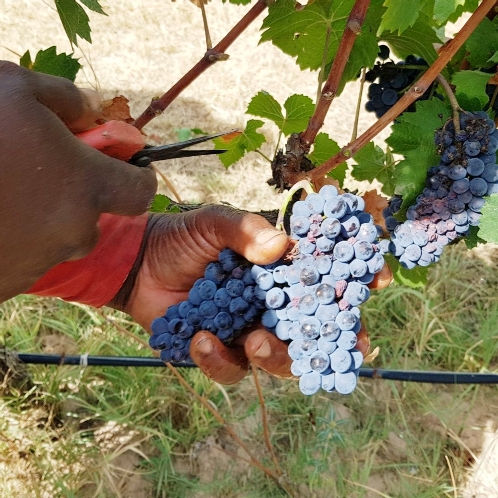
{"x":247,"y":234}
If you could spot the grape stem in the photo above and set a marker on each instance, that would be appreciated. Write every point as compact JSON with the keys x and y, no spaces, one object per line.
{"x":303,"y":184}
{"x":416,"y":91}
{"x":159,"y":105}
{"x":456,"y":109}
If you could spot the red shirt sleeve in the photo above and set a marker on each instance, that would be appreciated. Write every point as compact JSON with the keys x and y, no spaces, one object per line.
{"x":96,"y":278}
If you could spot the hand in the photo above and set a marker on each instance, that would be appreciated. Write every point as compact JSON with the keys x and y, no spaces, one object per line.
{"x":178,"y":248}
{"x":54,"y":187}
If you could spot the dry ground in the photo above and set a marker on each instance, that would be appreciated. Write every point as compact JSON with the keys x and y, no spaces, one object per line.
{"x":140,"y":50}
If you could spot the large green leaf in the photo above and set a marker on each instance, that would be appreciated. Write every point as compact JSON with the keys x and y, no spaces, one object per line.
{"x":418,"y":39}
{"x":304,"y":33}
{"x":49,"y":62}
{"x":399,"y":15}
{"x":482,"y":44}
{"x":471,"y":86}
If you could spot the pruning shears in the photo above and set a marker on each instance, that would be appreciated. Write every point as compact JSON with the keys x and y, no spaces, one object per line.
{"x":123,"y":141}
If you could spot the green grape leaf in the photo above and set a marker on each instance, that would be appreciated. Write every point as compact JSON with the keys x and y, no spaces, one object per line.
{"x":471,"y":85}
{"x":482,"y":44}
{"x":299,"y":109}
{"x":238,"y":2}
{"x":443,"y":9}
{"x":265,"y":106}
{"x":467,"y":6}
{"x":74,"y":20}
{"x":339,"y":173}
{"x":373,"y":164}
{"x":303,"y":33}
{"x":163,"y":204}
{"x":49,"y":62}
{"x":418,"y":39}
{"x":417,"y":277}
{"x":323,"y":149}
{"x":93,"y":5}
{"x":494,"y":58}
{"x":399,"y":15}
{"x":488,"y":224}
{"x":247,"y":141}
{"x":472,"y":239}
{"x":413,"y":137}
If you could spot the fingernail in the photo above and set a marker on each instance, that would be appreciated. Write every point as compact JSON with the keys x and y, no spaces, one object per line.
{"x":268,"y":234}
{"x":264,"y":350}
{"x":204,"y":346}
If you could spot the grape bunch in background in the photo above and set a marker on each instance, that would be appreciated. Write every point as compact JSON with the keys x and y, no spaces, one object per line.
{"x":454,"y":195}
{"x":224,"y":302}
{"x":313,"y":301}
{"x":389,"y":80}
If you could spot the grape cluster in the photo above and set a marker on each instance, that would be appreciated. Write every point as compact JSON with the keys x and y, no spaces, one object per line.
{"x":313,"y":301}
{"x":224,"y":302}
{"x":454,"y":195}
{"x":389,"y":80}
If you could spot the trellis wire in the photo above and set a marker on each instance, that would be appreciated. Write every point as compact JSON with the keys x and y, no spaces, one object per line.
{"x":432,"y":377}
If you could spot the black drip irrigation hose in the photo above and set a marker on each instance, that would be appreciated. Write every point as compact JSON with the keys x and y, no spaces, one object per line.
{"x":432,"y":377}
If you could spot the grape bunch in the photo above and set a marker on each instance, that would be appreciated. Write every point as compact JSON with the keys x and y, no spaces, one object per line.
{"x":454,"y":195}
{"x":389,"y":80}
{"x":313,"y":301}
{"x":224,"y":302}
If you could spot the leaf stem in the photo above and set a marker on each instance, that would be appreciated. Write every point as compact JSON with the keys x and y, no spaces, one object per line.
{"x":358,"y":105}
{"x":263,"y":155}
{"x":303,"y":184}
{"x":453,"y":101}
{"x":158,"y":106}
{"x":329,"y":90}
{"x":209,"y":43}
{"x":416,"y":91}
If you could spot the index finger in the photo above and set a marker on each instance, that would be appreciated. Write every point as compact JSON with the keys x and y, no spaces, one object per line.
{"x":78,"y":109}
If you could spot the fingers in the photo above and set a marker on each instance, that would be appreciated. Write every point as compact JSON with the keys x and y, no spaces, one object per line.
{"x":363,"y":343}
{"x":219,"y":362}
{"x":78,"y":108}
{"x":382,"y":279}
{"x":124,"y":189}
{"x":267,"y":352}
{"x":247,"y":234}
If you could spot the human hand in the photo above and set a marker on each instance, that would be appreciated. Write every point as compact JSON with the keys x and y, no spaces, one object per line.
{"x":54,"y":187}
{"x":178,"y":248}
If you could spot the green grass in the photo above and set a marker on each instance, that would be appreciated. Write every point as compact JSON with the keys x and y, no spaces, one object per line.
{"x":72,"y":431}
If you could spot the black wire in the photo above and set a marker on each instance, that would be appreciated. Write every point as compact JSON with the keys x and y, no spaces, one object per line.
{"x":432,"y":377}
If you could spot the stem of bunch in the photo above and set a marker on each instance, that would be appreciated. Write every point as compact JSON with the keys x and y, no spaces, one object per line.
{"x":455,"y":108}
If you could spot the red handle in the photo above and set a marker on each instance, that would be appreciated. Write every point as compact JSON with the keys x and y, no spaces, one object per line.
{"x":114,"y":138}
